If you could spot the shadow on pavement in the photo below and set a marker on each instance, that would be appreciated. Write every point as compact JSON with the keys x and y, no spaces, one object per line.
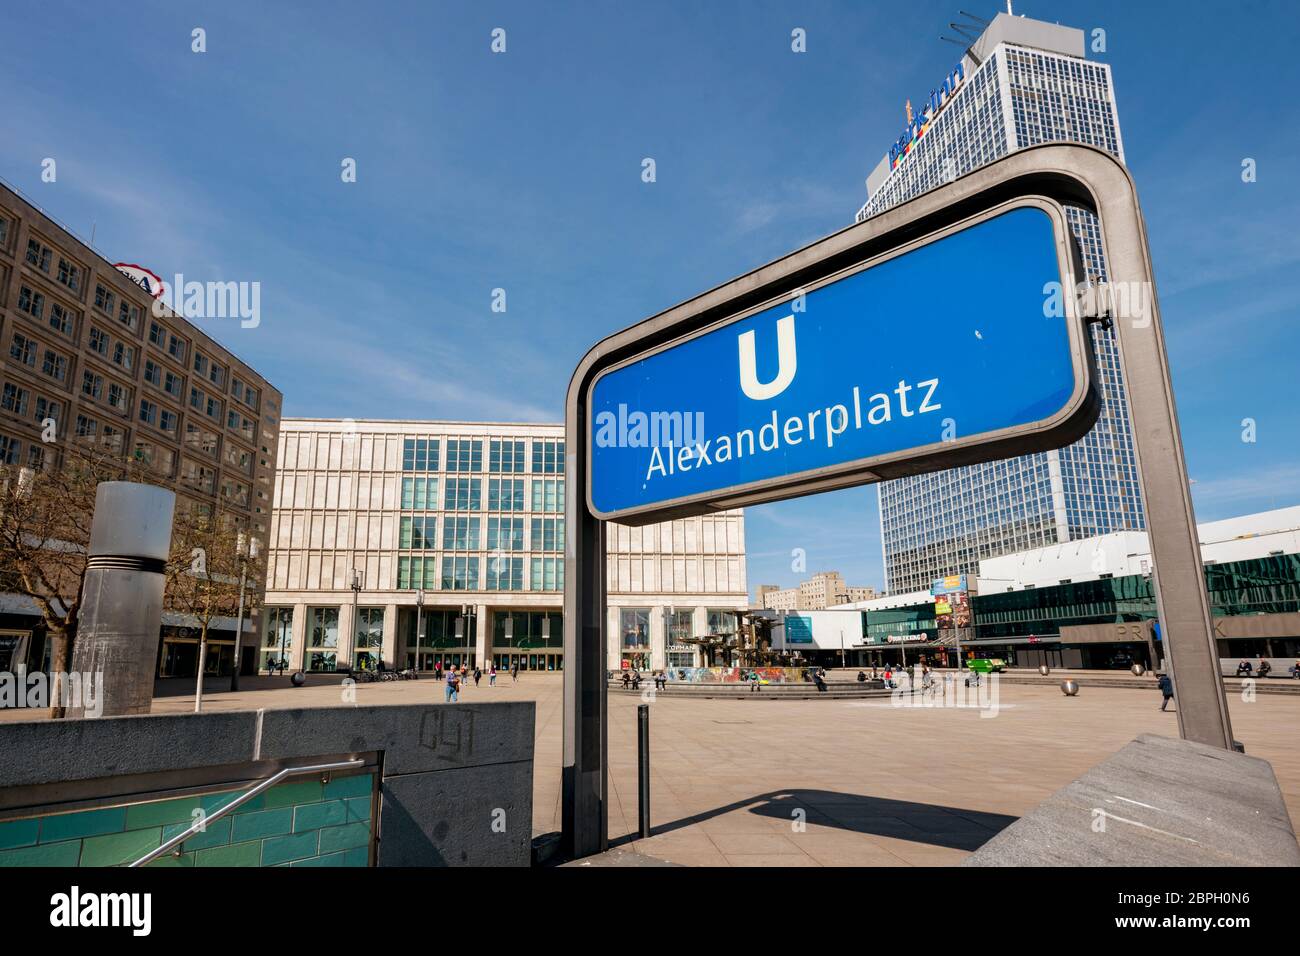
{"x":950,"y":827}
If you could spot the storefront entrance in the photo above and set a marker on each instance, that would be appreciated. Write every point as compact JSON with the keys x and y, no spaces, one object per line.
{"x":530,"y":661}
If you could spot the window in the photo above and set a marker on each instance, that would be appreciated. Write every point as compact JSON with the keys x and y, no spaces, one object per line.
{"x":23,"y":350}
{"x":505,"y":574}
{"x":200,"y":362}
{"x":419,"y":493}
{"x":14,"y":399}
{"x":464,"y":454}
{"x":323,"y":638}
{"x":33,"y":303}
{"x":548,"y":457}
{"x":87,"y":427}
{"x":634,"y":626}
{"x":62,"y":319}
{"x":505,"y":494}
{"x":548,"y":494}
{"x":124,"y":355}
{"x":505,"y":534}
{"x":69,"y":274}
{"x":201,"y":440}
{"x":119,"y":397}
{"x":239,"y":458}
{"x":506,"y":456}
{"x":39,"y":255}
{"x":47,"y":409}
{"x":92,"y":384}
{"x":55,"y":365}
{"x":459,"y":574}
{"x":10,"y":449}
{"x":463,"y":494}
{"x":237,"y":422}
{"x":277,"y":641}
{"x":460,"y":533}
{"x":157,"y":334}
{"x":152,"y":372}
{"x":112,"y":439}
{"x":234,"y":491}
{"x":548,"y":534}
{"x":243,"y":392}
{"x":197,"y":476}
{"x":418,"y":533}
{"x":176,"y":348}
{"x":148,"y":412}
{"x":172,"y":384}
{"x":722,"y":621}
{"x":159,"y":460}
{"x":369,"y":629}
{"x":420,"y":454}
{"x":416,"y":573}
{"x":128,"y":315}
{"x":98,"y":341}
{"x":104,"y":299}
{"x":167,"y":422}
{"x":547,"y":574}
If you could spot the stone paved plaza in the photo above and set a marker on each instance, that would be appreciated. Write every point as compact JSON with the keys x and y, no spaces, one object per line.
{"x":874,"y":784}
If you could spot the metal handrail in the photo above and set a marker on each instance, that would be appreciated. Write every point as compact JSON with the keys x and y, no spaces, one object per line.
{"x":243,"y":798}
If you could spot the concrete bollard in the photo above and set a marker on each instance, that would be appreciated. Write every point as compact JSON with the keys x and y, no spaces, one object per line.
{"x":122,"y":598}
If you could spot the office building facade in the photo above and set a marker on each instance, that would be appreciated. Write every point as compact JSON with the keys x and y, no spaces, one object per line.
{"x":824,"y":589}
{"x":87,"y":360}
{"x":456,"y":534}
{"x":1023,"y":82}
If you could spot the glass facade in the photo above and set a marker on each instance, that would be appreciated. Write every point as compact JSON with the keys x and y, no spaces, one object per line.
{"x":470,"y":514}
{"x":634,"y":636}
{"x":943,"y":523}
{"x":322,"y":639}
{"x":277,"y":638}
{"x":368,"y":645}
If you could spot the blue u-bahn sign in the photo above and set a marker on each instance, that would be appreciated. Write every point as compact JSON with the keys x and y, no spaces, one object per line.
{"x":961,"y":346}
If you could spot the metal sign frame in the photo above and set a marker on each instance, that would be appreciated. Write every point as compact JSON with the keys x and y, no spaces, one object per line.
{"x":1068,"y":424}
{"x":1065,"y":174}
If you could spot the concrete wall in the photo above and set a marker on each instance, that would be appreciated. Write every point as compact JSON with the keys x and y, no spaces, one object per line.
{"x":455,"y":780}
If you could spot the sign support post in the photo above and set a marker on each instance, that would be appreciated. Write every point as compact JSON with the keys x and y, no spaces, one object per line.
{"x":649,"y":356}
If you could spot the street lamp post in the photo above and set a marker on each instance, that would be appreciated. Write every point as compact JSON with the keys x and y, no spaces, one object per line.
{"x":246,"y":549}
{"x":356,"y":592}
{"x":419,"y":626}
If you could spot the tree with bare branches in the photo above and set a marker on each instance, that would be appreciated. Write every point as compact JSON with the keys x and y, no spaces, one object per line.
{"x":210,"y":551}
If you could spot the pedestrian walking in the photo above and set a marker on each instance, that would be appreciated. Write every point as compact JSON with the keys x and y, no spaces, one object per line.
{"x":1166,"y":689}
{"x":453,"y":686}
{"x":514,"y":673}
{"x":478,"y":674}
{"x":492,"y":676}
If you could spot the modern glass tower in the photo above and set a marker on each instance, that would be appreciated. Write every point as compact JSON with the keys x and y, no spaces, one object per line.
{"x":1023,"y":82}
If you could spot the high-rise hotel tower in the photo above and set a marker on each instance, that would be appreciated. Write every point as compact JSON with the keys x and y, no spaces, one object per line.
{"x":1021,"y":83}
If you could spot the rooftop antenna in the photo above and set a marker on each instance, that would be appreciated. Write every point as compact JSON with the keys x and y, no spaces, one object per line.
{"x":969,"y":33}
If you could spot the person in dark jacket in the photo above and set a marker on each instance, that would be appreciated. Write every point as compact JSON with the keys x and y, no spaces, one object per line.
{"x":1166,"y":689}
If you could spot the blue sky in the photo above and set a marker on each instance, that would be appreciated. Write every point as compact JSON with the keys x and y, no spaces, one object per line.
{"x":522,"y":171}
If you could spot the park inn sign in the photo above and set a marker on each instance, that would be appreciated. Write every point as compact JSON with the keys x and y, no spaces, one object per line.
{"x":932,"y":335}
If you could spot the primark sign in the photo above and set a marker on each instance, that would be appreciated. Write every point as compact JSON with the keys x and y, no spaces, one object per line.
{"x":937,"y":347}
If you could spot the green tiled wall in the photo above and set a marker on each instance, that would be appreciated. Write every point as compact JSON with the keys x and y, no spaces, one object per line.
{"x":300,"y":823}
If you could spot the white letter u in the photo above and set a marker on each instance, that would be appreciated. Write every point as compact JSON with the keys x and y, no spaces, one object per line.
{"x":786,"y":362}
